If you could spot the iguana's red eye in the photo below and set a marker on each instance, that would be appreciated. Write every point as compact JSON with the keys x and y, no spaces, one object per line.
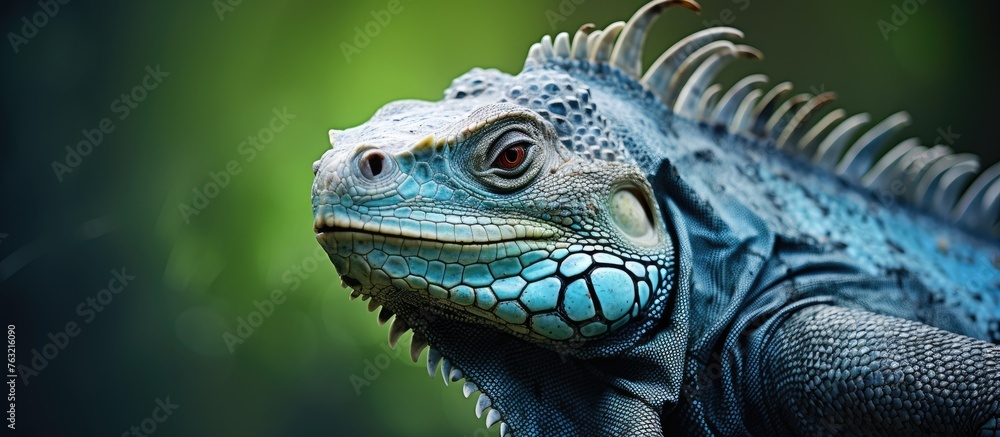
{"x":511,"y":157}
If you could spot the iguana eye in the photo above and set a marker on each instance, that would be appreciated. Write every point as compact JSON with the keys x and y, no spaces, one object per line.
{"x":511,"y":150}
{"x":511,"y":157}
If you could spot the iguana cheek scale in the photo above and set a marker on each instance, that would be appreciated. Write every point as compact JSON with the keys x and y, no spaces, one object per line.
{"x":606,"y":250}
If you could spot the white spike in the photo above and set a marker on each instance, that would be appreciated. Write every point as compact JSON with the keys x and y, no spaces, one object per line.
{"x":535,"y":54}
{"x":561,"y":47}
{"x":802,"y":118}
{"x":492,"y":417}
{"x":468,"y":389}
{"x":547,"y":51}
{"x":891,"y":163}
{"x":692,"y":91}
{"x":660,"y":74}
{"x":455,"y":374}
{"x":777,"y":122}
{"x":730,"y":101}
{"x":706,"y":106}
{"x":990,"y":208}
{"x":396,"y":330}
{"x":832,"y":147}
{"x":688,"y":67}
{"x":602,"y":52}
{"x":767,"y":105}
{"x":482,"y":403}
{"x":970,"y":204}
{"x":417,"y":344}
{"x":504,"y":429}
{"x":580,"y":41}
{"x":860,"y":156}
{"x":952,"y":183}
{"x":744,"y":113}
{"x":627,"y":54}
{"x":810,"y":141}
{"x":920,"y":167}
{"x":433,"y":358}
{"x":592,"y":41}
{"x":928,"y":184}
{"x":445,"y":370}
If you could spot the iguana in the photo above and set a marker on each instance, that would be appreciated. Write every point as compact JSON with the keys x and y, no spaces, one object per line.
{"x":606,"y":250}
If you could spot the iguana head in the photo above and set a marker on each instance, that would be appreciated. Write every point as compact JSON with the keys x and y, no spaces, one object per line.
{"x":481,"y":208}
{"x":508,"y":227}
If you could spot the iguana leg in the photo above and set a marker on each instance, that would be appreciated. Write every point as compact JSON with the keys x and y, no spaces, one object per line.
{"x":830,"y":370}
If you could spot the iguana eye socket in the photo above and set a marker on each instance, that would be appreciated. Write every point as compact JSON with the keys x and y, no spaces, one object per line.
{"x":511,"y":157}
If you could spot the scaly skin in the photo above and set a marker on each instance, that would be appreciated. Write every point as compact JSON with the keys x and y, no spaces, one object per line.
{"x":595,"y":262}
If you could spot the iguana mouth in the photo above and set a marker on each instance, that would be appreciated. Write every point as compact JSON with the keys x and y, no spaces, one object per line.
{"x":444,"y":229}
{"x":333,"y":230}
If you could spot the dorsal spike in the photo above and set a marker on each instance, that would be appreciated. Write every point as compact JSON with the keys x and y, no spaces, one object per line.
{"x":561,"y":46}
{"x":659,"y":75}
{"x":601,"y":53}
{"x":953,"y":183}
{"x":767,"y":105}
{"x":860,"y":156}
{"x":929,"y":182}
{"x":814,"y":136}
{"x":730,"y":101}
{"x":893,"y":163}
{"x":969,"y":205}
{"x":791,"y":132}
{"x":783,"y":115}
{"x":627,"y":54}
{"x":580,"y":41}
{"x":592,"y":41}
{"x":990,"y":213}
{"x":705,"y":73}
{"x":744,"y":113}
{"x":547,"y":51}
{"x":535,"y":54}
{"x":920,"y":167}
{"x":832,"y":147}
{"x":912,"y":166}
{"x":687,"y":68}
{"x":708,"y":101}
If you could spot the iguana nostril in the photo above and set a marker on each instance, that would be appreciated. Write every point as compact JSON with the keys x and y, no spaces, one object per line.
{"x":373,"y":163}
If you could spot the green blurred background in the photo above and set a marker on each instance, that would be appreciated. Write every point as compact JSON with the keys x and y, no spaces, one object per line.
{"x":195,"y":276}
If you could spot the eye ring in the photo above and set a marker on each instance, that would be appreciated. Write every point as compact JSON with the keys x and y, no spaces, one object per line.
{"x":511,"y":157}
{"x":511,"y":153}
